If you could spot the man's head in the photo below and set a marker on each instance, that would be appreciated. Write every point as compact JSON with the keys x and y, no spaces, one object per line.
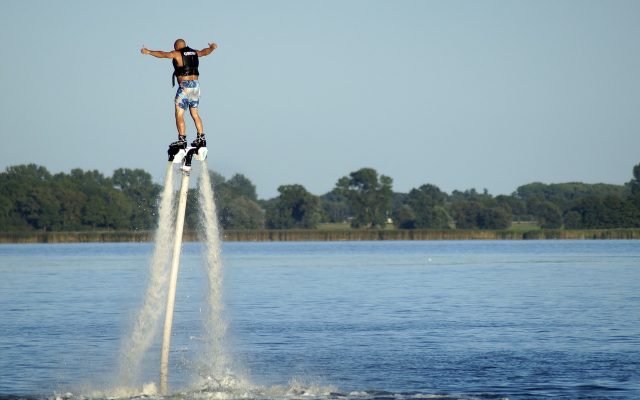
{"x":179,"y":44}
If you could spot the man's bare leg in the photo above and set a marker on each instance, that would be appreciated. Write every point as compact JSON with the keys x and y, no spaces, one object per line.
{"x":180,"y":122}
{"x":196,"y":120}
{"x":182,"y":136}
{"x":200,"y":140}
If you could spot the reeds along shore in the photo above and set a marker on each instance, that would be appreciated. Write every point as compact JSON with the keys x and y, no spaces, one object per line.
{"x":320,"y":235}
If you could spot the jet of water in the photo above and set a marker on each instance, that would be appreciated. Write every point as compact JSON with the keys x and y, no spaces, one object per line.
{"x":215,"y":358}
{"x":146,"y":323}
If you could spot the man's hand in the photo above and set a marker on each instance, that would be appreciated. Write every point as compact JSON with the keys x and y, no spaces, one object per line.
{"x":144,"y":50}
{"x":207,"y":50}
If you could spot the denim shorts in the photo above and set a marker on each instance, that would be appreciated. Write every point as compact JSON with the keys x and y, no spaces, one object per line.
{"x":188,"y":94}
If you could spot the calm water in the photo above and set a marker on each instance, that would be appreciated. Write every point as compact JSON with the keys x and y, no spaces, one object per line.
{"x":338,"y":320}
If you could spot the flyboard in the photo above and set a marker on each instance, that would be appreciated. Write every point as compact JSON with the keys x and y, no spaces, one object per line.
{"x":177,"y":155}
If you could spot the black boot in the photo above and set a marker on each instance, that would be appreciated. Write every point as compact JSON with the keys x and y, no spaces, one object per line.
{"x":199,"y":142}
{"x":181,"y":143}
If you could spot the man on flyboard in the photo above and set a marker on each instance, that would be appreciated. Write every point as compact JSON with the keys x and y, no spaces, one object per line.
{"x":185,"y":66}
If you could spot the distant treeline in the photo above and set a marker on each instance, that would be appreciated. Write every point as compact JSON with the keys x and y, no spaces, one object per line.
{"x":32,"y":199}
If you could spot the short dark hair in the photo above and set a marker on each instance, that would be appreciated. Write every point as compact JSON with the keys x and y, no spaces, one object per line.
{"x":179,"y":43}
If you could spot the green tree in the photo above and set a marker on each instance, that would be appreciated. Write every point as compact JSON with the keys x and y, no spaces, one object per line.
{"x":243,"y":213}
{"x":5,"y":210}
{"x":33,"y":203}
{"x":472,"y":195}
{"x":573,"y":220}
{"x":594,"y":212}
{"x":75,"y":201}
{"x":563,"y":194}
{"x":512,"y":204}
{"x":635,"y":182}
{"x":494,"y":218}
{"x":588,"y":208}
{"x":335,"y":207}
{"x":404,"y":217}
{"x":434,"y":193}
{"x":474,"y":214}
{"x":534,"y":204}
{"x":618,"y":212}
{"x":138,"y":186}
{"x":39,"y":208}
{"x":240,"y":185}
{"x":369,"y":197}
{"x":236,"y":201}
{"x":465,"y":214}
{"x":634,"y":186}
{"x":71,"y":202}
{"x":105,"y":207}
{"x":549,"y":215}
{"x":423,"y":209}
{"x":295,"y":207}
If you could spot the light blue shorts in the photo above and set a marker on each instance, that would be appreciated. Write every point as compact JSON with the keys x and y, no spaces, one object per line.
{"x":188,"y":94}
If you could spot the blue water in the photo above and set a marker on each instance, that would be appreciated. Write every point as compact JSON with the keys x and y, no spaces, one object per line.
{"x":339,"y":320}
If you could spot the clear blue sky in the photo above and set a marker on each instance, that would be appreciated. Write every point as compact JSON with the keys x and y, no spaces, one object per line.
{"x":460,"y":94}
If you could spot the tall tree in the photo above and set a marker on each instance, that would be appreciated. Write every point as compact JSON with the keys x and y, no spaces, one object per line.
{"x":549,"y":215}
{"x":243,"y":213}
{"x":335,"y":207}
{"x":369,"y":197}
{"x":466,"y":212}
{"x":479,"y":211}
{"x":30,"y":190}
{"x":295,"y":207}
{"x":563,"y":194}
{"x":512,"y":204}
{"x":494,"y":218}
{"x":138,"y":186}
{"x":634,"y":185}
{"x":240,"y":185}
{"x":237,"y":203}
{"x":40,"y":208}
{"x":105,"y":206}
{"x":423,"y":209}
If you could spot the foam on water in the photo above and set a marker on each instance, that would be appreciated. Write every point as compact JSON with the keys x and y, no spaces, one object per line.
{"x":293,"y":391}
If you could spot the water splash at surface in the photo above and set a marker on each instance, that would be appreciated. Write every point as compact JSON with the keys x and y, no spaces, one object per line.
{"x":290,"y":392}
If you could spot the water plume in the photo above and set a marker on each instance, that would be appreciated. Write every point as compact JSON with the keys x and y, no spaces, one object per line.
{"x":213,"y":364}
{"x":146,"y":323}
{"x":216,"y":360}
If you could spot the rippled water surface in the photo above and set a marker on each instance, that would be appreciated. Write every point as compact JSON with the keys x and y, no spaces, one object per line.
{"x":343,"y":320}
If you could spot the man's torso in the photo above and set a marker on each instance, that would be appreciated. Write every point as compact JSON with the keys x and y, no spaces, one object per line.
{"x":189,"y":58}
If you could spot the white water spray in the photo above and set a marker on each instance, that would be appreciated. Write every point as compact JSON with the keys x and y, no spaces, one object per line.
{"x":215,"y":357}
{"x":146,"y":324}
{"x":214,"y":362}
{"x":173,"y":284}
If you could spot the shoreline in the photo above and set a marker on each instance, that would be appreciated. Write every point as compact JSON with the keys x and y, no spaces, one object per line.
{"x":323,"y":235}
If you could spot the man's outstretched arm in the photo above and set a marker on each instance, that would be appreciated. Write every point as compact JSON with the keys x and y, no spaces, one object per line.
{"x":158,"y":53}
{"x":208,"y":50}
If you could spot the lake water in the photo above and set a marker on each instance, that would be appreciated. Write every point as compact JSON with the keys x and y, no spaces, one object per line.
{"x":335,"y":320}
